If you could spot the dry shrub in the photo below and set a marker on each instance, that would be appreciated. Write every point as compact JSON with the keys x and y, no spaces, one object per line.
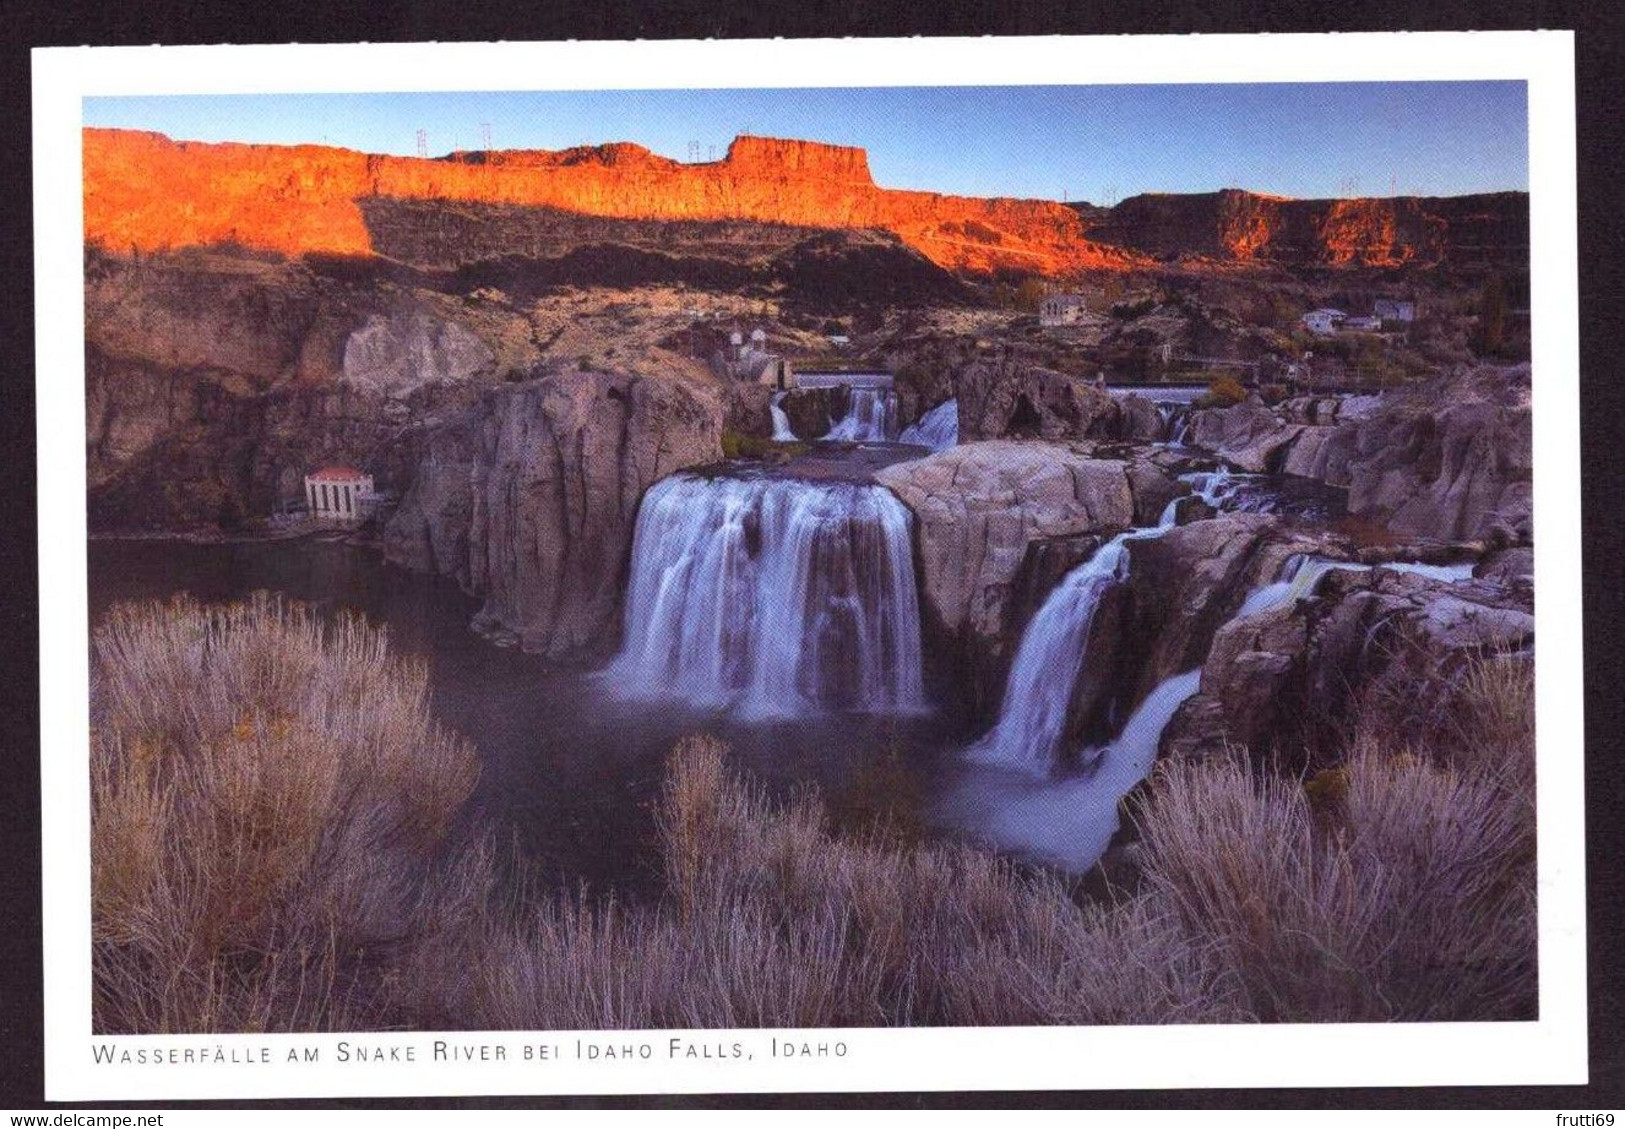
{"x":1399,"y":886}
{"x":270,"y":793}
{"x":771,"y":920}
{"x":266,"y":789}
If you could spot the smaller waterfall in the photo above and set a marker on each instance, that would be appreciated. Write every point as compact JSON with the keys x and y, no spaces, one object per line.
{"x":871,"y":418}
{"x":937,"y":429}
{"x":1301,"y":574}
{"x":781,"y":420}
{"x":1032,"y":716}
{"x":1071,"y":821}
{"x":1176,"y":423}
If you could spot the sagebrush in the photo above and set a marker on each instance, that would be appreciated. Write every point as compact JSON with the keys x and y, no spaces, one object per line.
{"x":273,"y":849}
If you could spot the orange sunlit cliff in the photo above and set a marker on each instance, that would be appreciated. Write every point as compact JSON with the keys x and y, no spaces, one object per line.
{"x":145,"y":192}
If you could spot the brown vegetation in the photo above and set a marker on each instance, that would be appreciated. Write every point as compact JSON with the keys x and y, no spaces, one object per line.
{"x":265,"y":786}
{"x":269,"y":794}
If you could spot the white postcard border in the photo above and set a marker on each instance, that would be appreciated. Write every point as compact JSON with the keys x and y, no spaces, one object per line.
{"x":1551,"y":1050}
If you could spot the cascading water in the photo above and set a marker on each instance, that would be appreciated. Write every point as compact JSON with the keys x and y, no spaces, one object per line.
{"x":1032,"y":716}
{"x":772,"y":598}
{"x":1301,"y":574}
{"x":781,"y":420}
{"x":870,"y":417}
{"x":1071,"y":821}
{"x":937,"y":429}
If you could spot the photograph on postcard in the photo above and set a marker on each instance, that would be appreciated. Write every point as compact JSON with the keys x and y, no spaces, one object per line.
{"x":790,"y":559}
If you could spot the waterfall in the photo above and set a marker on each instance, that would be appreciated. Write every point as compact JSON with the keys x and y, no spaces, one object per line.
{"x":1032,"y":716}
{"x":781,"y":421}
{"x":1301,"y":574}
{"x":772,"y":598}
{"x":1071,"y":821}
{"x":937,"y":429}
{"x":870,"y":418}
{"x":1176,"y":422}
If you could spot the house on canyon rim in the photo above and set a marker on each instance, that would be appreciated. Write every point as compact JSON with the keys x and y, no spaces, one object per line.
{"x":339,"y":493}
{"x":1061,"y":309}
{"x":1392,"y":309}
{"x":1325,"y":320}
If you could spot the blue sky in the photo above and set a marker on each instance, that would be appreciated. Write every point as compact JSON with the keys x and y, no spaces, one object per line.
{"x":1097,"y":143}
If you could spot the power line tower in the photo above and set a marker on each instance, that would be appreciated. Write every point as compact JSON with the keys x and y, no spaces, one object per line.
{"x":423,"y":143}
{"x":694,"y":151}
{"x":485,"y":136}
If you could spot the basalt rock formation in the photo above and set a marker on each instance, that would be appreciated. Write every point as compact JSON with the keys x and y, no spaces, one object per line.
{"x":145,"y":193}
{"x":215,"y":382}
{"x":1482,"y":231}
{"x":1004,"y":397}
{"x":1449,"y":460}
{"x":1288,"y":675}
{"x":530,"y":499}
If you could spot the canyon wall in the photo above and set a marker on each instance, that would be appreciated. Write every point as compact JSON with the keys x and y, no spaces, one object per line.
{"x":145,"y":193}
{"x":530,"y":499}
{"x":1482,"y":231}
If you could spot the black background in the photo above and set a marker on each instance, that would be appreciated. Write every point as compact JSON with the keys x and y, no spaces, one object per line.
{"x":1600,"y":60}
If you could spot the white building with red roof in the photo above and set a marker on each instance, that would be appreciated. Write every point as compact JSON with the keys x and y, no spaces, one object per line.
{"x":339,"y":493}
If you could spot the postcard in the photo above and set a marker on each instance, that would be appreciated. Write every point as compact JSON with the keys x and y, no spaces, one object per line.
{"x":811,"y":565}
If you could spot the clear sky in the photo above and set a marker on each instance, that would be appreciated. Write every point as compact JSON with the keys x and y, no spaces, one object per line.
{"x":1097,"y":143}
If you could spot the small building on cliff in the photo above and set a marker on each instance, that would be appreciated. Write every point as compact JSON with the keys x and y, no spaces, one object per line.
{"x":1325,"y":320}
{"x":339,"y":493}
{"x":1061,"y":309}
{"x":1393,"y":309}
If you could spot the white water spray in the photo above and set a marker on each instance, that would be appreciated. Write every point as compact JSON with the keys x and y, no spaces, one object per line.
{"x":870,"y":417}
{"x":937,"y":429}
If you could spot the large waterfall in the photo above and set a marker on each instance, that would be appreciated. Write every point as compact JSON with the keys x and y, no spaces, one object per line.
{"x":871,"y":417}
{"x":937,"y":429}
{"x":772,"y":597}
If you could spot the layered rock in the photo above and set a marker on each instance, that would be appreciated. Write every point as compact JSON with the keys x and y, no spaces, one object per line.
{"x":1451,"y":460}
{"x":1489,"y":230}
{"x":978,"y":507}
{"x":1004,"y":397}
{"x":1287,"y":676}
{"x":144,"y":192}
{"x":531,"y":498}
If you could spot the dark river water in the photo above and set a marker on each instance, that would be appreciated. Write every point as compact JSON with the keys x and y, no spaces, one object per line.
{"x":569,"y":767}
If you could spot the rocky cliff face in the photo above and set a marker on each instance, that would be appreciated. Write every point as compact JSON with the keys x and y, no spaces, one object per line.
{"x":144,"y":192}
{"x":1450,"y":460}
{"x":215,"y":382}
{"x":531,"y":498}
{"x":1003,"y":397}
{"x":1288,"y":675}
{"x":978,"y":509}
{"x":1484,"y":231}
